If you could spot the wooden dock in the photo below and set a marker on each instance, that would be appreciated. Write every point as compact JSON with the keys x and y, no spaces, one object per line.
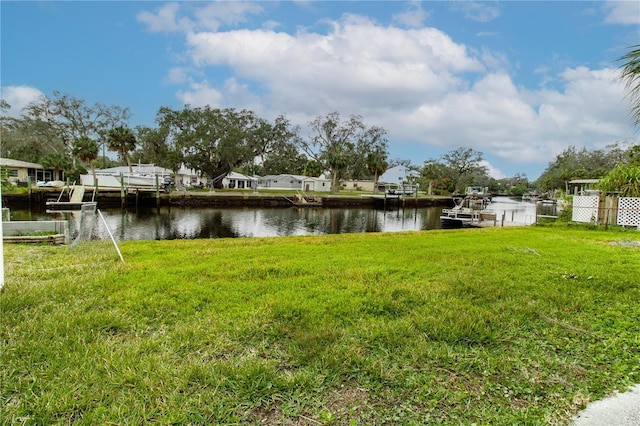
{"x":305,"y":201}
{"x":76,"y":197}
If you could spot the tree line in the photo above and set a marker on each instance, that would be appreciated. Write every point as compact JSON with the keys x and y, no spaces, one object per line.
{"x":63,"y":132}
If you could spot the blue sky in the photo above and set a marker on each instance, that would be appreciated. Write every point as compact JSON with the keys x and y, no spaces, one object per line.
{"x":518,"y":81}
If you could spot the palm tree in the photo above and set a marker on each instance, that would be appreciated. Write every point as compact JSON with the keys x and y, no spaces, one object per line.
{"x":630,"y":75}
{"x":122,"y":140}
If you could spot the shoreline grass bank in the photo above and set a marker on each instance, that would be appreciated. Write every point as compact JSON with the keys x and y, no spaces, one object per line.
{"x":487,"y":326}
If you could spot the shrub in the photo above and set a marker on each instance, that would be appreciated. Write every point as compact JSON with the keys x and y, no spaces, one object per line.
{"x":624,"y":178}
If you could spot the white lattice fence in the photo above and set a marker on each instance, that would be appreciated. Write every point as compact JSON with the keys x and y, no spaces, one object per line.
{"x":629,"y":211}
{"x":585,"y":208}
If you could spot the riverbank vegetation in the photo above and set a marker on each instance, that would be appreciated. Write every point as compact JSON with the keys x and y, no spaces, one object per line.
{"x":491,"y":326}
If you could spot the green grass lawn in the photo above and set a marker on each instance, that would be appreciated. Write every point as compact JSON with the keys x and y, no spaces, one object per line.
{"x":491,"y":326}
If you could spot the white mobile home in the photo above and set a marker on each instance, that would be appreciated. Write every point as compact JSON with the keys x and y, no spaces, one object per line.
{"x":294,"y":182}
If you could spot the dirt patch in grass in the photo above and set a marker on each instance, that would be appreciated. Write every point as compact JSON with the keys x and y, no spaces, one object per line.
{"x":626,"y":243}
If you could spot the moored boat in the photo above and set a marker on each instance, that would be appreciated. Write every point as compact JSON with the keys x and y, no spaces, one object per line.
{"x":478,"y":192}
{"x":459,"y":216}
{"x":467,"y":209}
{"x":142,"y":176}
{"x":135,"y":180}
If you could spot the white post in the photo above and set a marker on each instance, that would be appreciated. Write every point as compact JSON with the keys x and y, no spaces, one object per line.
{"x":111,"y":235}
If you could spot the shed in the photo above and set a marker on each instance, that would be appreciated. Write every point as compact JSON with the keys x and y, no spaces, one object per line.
{"x":584,"y":186}
{"x":357,"y":185}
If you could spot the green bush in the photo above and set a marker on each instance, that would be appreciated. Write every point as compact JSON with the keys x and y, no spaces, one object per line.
{"x":624,"y":179}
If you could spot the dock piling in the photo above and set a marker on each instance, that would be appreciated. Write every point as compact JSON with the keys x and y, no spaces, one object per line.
{"x":123,"y":194}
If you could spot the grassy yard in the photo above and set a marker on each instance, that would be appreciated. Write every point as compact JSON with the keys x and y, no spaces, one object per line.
{"x":491,"y":326}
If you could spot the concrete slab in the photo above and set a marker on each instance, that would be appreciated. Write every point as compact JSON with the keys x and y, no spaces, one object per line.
{"x":622,"y":409}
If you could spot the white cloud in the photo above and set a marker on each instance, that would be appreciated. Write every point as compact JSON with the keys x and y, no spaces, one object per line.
{"x":165,"y":19}
{"x":19,"y":97}
{"x":211,"y":17}
{"x":201,"y":94}
{"x":426,"y":90}
{"x":358,"y":64}
{"x":492,"y":171}
{"x":622,"y":12}
{"x":491,"y":117}
{"x":412,"y":17}
{"x":219,"y":13}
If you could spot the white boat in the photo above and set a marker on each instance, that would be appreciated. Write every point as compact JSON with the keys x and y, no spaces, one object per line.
{"x":135,"y":180}
{"x":459,"y":217}
{"x":144,"y":176}
{"x":465,"y":213}
{"x":478,"y":192}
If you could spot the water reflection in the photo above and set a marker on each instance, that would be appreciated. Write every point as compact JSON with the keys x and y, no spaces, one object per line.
{"x":188,"y":223}
{"x":174,"y":223}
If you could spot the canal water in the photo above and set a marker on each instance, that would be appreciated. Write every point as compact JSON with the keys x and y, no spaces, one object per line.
{"x":168,"y":223}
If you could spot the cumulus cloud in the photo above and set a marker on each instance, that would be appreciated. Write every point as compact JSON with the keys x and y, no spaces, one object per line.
{"x":201,"y":94}
{"x":19,"y":97}
{"x":356,"y":64}
{"x":423,"y":87}
{"x":492,"y":171}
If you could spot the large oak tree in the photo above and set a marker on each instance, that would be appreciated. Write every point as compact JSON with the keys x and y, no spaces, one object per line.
{"x":217,"y":141}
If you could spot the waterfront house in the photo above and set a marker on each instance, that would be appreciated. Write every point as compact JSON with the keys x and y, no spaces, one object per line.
{"x":357,"y":185}
{"x":20,"y":172}
{"x":294,"y":182}
{"x":185,"y":178}
{"x":235,"y":180}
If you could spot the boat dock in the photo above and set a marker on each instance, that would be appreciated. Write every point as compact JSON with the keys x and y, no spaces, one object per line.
{"x":470,"y":211}
{"x":76,"y":200}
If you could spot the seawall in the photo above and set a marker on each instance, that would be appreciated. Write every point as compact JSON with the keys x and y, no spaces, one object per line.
{"x":38,"y":198}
